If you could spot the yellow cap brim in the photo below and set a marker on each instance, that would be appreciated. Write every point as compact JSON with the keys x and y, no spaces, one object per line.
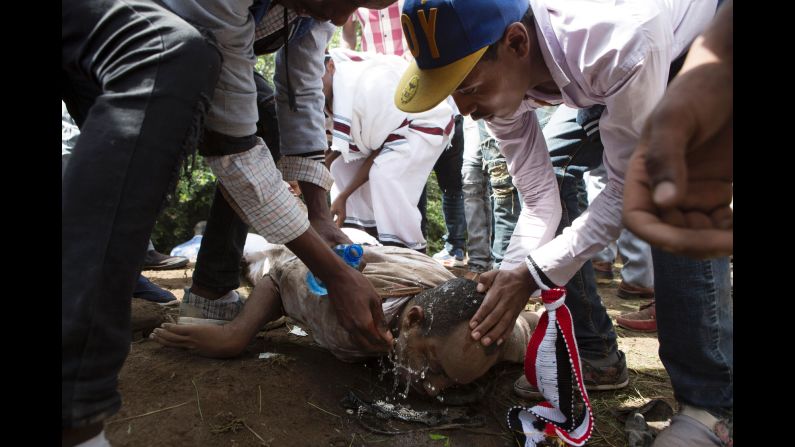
{"x":421,"y":90}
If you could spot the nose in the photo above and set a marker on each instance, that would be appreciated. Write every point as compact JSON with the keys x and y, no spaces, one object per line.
{"x":465,"y":106}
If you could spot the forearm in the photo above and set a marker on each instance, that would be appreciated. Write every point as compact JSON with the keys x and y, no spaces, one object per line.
{"x":362,"y":175}
{"x":316,"y":201}
{"x":262,"y":306}
{"x":349,"y":34}
{"x":716,"y":44}
{"x":330,"y":157}
{"x":554,"y":263}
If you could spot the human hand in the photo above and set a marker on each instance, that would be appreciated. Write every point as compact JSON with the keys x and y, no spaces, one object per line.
{"x":507,"y":292}
{"x":337,"y":210}
{"x":359,"y":311}
{"x":678,"y":187}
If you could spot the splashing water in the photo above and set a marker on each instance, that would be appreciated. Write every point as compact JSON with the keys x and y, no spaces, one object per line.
{"x":399,"y":369}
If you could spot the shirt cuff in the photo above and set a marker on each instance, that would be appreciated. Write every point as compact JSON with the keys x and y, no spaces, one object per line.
{"x":302,"y":169}
{"x":538,"y":275}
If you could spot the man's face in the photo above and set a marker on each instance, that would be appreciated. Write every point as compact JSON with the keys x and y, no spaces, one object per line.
{"x":335,"y":11}
{"x":494,"y":88}
{"x":454,"y":359}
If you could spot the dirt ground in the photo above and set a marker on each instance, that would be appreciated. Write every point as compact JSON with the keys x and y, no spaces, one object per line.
{"x":174,"y":398}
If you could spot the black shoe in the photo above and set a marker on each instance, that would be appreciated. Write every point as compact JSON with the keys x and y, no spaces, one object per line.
{"x":149,"y":291}
{"x":158,"y":261}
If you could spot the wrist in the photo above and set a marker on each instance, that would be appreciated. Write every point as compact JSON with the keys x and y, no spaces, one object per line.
{"x":537,"y":276}
{"x":524,"y":272}
{"x":316,"y":201}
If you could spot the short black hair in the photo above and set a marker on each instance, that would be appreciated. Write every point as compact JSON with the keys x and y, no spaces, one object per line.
{"x":447,"y":305}
{"x":526,"y":20}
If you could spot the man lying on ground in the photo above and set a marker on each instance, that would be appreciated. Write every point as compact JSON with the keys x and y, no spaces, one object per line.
{"x":426,"y":307}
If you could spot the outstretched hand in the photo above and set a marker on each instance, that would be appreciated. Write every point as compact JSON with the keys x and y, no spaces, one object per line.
{"x":359,"y":311}
{"x":507,"y":292}
{"x":338,"y":210}
{"x":678,"y":188}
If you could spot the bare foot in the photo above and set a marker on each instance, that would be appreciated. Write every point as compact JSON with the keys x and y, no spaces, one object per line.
{"x":208,"y":340}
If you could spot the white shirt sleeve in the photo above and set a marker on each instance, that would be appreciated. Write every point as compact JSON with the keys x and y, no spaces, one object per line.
{"x":628,"y":103}
{"x":521,"y":141}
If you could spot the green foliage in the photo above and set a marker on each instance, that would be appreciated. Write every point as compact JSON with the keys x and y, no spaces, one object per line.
{"x":436,"y":228}
{"x":446,"y":439}
{"x":189,"y":205}
{"x":266,"y":65}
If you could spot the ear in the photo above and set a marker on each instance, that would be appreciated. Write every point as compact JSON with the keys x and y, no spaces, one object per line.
{"x":517,"y":40}
{"x":415,"y":316}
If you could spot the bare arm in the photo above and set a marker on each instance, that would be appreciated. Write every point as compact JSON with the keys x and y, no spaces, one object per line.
{"x":330,"y":157}
{"x":320,"y":217}
{"x":355,"y":301}
{"x":361,"y":177}
{"x":229,"y":340}
{"x":349,"y":34}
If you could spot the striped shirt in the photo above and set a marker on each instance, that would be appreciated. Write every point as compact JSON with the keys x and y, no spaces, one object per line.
{"x":381,"y":29}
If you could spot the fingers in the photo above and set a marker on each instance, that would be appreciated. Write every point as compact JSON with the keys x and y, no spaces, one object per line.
{"x":663,"y":142}
{"x":372,"y":339}
{"x":337,"y":216}
{"x":166,"y":337}
{"x":362,"y":316}
{"x":486,"y":307}
{"x":382,"y":329}
{"x":501,"y":330}
{"x":493,"y":325}
{"x":723,"y":218}
{"x":341,"y":218}
{"x":706,"y":195}
{"x":485,"y":280}
{"x":694,"y":242}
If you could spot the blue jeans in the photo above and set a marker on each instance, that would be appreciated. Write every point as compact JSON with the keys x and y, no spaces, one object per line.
{"x":635,"y":252}
{"x":638,"y":268}
{"x":695,"y":329}
{"x":482,"y":196}
{"x":573,"y":152}
{"x":448,"y":174}
{"x":130,"y":81}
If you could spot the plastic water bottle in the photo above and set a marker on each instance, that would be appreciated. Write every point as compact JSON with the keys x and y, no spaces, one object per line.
{"x":350,"y":253}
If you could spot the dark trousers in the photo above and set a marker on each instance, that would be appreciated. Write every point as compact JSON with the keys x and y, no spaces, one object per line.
{"x":137,"y":79}
{"x":573,"y":152}
{"x":218,"y":262}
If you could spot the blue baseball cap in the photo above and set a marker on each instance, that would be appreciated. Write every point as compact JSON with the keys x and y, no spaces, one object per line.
{"x":447,"y":38}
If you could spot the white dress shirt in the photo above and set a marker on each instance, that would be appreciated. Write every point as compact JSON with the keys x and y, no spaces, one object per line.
{"x":614,"y":53}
